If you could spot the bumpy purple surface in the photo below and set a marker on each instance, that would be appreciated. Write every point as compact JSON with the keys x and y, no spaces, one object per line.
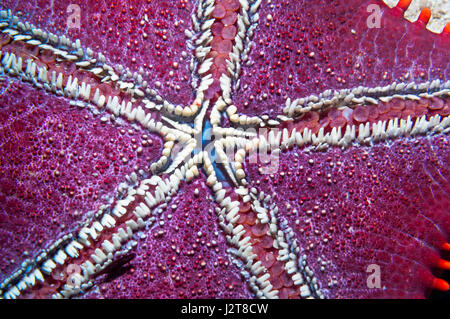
{"x":185,"y":258}
{"x":308,"y":47}
{"x":58,"y":163}
{"x":353,"y":208}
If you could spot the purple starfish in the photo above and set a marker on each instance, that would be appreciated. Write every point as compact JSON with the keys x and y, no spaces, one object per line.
{"x":222,"y":149}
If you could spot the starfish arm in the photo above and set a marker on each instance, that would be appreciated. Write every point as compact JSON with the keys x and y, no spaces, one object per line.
{"x":303,"y":210}
{"x":184,"y":254}
{"x":50,"y":164}
{"x":82,"y":94}
{"x":247,"y":22}
{"x":367,"y":134}
{"x":97,"y":244}
{"x":284,"y":141}
{"x":77,"y":75}
{"x":364,"y":96}
{"x":268,"y":254}
{"x":146,"y":38}
{"x":199,"y":40}
{"x":365,"y":114}
{"x":323,"y":55}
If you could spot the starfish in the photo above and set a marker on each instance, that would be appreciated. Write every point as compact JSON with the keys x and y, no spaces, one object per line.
{"x":263,"y":150}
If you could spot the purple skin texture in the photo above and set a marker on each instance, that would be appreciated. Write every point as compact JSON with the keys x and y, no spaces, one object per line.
{"x":385,"y":204}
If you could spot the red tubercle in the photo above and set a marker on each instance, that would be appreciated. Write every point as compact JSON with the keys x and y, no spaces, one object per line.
{"x":403,"y":4}
{"x":446,"y":246}
{"x":436,"y":261}
{"x":446,"y":30}
{"x":434,"y":283}
{"x":443,"y":264}
{"x":440,"y":284}
{"x":424,"y":16}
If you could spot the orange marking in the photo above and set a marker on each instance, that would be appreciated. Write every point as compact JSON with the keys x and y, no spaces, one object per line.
{"x":440,"y":284}
{"x":443,"y":264}
{"x":446,"y":29}
{"x":446,"y":246}
{"x":425,"y":15}
{"x":403,"y":4}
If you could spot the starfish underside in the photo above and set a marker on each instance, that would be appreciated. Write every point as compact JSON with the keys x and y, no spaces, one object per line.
{"x":222,"y":149}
